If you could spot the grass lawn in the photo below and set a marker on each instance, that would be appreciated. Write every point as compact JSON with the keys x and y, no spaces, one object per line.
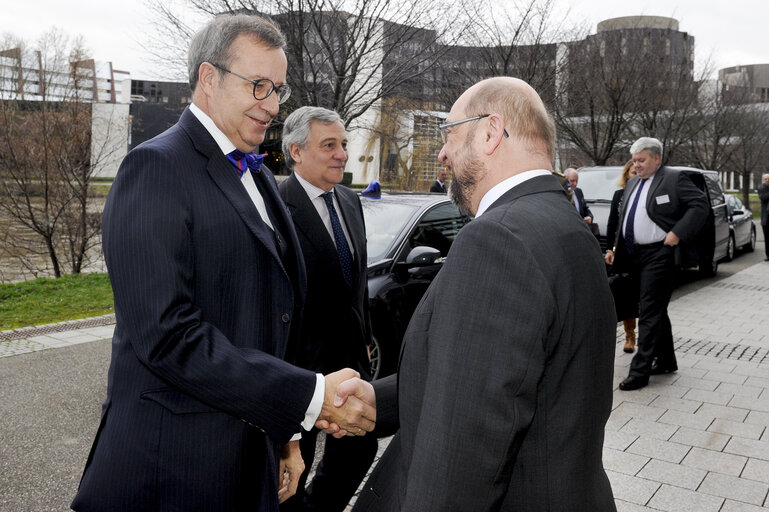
{"x":45,"y":301}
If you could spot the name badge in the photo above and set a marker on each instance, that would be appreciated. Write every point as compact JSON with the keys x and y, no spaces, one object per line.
{"x":662,"y":199}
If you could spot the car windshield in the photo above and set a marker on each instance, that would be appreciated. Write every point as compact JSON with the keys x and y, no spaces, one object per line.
{"x":599,"y":184}
{"x":384,"y":221}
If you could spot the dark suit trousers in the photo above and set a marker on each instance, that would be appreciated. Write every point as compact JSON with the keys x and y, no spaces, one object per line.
{"x":654,"y":268}
{"x":765,"y":228}
{"x":344,"y":464}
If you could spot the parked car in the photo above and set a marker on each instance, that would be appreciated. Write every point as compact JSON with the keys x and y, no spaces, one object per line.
{"x":599,"y":183}
{"x":408,"y":237}
{"x":742,"y":229}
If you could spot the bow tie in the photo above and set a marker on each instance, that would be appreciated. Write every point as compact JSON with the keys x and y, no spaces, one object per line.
{"x":243,"y":161}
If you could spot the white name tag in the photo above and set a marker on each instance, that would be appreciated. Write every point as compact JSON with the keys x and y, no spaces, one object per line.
{"x":662,"y":199}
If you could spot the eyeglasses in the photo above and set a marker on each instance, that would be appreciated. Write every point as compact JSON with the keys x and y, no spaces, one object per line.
{"x":263,"y":87}
{"x":442,"y":127}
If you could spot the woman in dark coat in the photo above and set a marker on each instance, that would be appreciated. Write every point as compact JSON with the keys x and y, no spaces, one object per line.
{"x":611,"y":232}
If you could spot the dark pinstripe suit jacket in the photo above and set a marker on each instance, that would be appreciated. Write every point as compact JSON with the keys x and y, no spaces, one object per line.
{"x":199,"y":400}
{"x":505,"y":380}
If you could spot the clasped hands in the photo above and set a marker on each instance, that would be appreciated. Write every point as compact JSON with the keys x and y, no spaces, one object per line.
{"x":349,"y":405}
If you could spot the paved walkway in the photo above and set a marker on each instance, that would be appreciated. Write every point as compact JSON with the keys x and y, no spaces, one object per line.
{"x":694,"y":440}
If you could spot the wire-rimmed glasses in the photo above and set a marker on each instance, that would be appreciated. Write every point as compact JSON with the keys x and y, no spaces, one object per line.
{"x":263,"y":87}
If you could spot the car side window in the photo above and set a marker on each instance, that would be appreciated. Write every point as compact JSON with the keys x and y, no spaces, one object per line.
{"x":715,"y":191}
{"x":438,"y":228}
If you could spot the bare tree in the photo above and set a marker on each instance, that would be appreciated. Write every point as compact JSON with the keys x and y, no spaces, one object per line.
{"x":48,"y":155}
{"x":343,"y":55}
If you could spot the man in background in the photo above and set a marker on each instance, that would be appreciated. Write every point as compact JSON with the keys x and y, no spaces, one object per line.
{"x":336,"y":330}
{"x":763,"y":195}
{"x":439,"y":186}
{"x":661,"y":208}
{"x":578,"y":197}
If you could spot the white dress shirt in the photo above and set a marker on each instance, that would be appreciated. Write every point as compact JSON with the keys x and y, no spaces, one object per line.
{"x":315,"y":193}
{"x":313,"y":411}
{"x":500,"y":188}
{"x":645,"y":231}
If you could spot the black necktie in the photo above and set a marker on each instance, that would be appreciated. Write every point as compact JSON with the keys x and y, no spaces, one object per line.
{"x":629,"y":229}
{"x":345,"y":256}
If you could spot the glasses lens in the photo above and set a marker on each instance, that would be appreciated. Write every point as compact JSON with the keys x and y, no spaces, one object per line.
{"x":284,"y":91}
{"x":262,"y":88}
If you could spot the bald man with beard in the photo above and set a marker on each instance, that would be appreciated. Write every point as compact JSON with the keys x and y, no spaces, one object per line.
{"x":505,"y":381}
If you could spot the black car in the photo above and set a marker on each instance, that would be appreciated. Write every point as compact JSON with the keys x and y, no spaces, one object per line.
{"x":408,"y":237}
{"x":742,"y":230}
{"x":599,"y":183}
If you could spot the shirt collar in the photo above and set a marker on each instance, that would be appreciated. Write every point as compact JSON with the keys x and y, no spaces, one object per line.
{"x":500,"y":188}
{"x":313,"y":192}
{"x":221,"y":139}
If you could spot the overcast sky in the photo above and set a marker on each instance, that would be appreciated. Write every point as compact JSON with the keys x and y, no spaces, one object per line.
{"x":730,"y":32}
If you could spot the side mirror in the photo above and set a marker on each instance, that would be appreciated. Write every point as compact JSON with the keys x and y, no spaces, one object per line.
{"x":423,"y":256}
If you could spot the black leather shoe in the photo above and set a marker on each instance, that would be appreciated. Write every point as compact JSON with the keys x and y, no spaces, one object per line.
{"x":634,"y":382}
{"x":661,"y":370}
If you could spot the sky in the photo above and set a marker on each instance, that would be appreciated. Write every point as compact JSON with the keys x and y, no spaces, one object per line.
{"x":729,"y":33}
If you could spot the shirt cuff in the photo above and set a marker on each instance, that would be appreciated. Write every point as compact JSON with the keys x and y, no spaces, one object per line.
{"x":316,"y":404}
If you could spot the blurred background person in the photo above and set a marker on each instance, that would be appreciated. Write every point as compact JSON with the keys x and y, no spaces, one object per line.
{"x":439,"y":186}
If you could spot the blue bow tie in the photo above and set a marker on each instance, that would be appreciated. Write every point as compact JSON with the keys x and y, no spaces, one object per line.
{"x":243,"y":161}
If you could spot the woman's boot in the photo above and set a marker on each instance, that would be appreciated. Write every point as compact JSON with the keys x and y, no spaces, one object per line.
{"x":629,"y":335}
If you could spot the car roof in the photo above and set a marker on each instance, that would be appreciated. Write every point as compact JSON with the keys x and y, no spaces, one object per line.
{"x":418,"y":199}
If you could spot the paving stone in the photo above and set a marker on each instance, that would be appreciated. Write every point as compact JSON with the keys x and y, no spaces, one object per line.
{"x":700,"y":438}
{"x":712,"y":397}
{"x":734,"y":488}
{"x":618,"y":440}
{"x":734,"y":428}
{"x":685,"y":419}
{"x":643,"y":396}
{"x":756,"y":469}
{"x":678,"y":404}
{"x":639,"y":411}
{"x":758,"y":418}
{"x":762,"y":382}
{"x":676,"y":499}
{"x":692,"y":372}
{"x":632,"y":489}
{"x":657,"y":449}
{"x":711,"y":460}
{"x":760,"y":404}
{"x":720,"y":411}
{"x":748,"y":448}
{"x":626,"y":506}
{"x":697,"y":383}
{"x":673,"y":474}
{"x":715,"y":365}
{"x":649,"y":429}
{"x":616,"y":422}
{"x":623,"y":462}
{"x":736,"y":506}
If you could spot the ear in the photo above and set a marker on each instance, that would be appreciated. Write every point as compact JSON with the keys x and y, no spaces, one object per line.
{"x":494,"y":134}
{"x":207,"y":76}
{"x":296,"y":152}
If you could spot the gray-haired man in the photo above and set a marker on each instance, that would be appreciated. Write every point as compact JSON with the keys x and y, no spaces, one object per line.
{"x":660,"y":208}
{"x":335,"y":328}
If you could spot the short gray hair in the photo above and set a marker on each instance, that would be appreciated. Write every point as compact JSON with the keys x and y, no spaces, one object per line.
{"x":650,"y":144}
{"x":212,"y":43}
{"x":569,"y":171}
{"x":296,"y":128}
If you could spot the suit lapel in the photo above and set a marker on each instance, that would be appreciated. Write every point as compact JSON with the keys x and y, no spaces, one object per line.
{"x":306,"y":219}
{"x":656,"y":182}
{"x":221,"y":172}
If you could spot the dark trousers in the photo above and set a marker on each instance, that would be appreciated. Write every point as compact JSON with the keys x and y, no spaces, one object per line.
{"x":654,"y":269}
{"x":344,"y":464}
{"x":765,"y":228}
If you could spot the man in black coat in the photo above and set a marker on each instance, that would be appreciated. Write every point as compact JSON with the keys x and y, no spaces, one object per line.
{"x":763,"y":195}
{"x":579,"y":198}
{"x":335,"y":330}
{"x":439,"y":186}
{"x":661,"y":208}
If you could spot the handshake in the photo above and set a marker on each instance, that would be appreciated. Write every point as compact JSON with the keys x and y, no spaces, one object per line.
{"x":349,"y":405}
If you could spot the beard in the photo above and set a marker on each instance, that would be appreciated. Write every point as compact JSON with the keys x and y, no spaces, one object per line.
{"x":463,"y":185}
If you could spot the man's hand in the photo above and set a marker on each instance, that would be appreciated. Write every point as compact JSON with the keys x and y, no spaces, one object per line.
{"x":291,"y":468}
{"x":588,"y":219}
{"x":609,"y":257}
{"x":351,"y":413}
{"x":671,"y":239}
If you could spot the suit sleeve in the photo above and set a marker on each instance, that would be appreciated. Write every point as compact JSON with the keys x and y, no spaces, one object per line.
{"x":696,"y":208}
{"x":763,"y":192}
{"x":613,"y":222}
{"x":149,"y":249}
{"x":485,"y":352}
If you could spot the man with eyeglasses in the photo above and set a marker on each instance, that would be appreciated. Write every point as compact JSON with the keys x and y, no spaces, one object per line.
{"x":202,"y":412}
{"x":505,"y":380}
